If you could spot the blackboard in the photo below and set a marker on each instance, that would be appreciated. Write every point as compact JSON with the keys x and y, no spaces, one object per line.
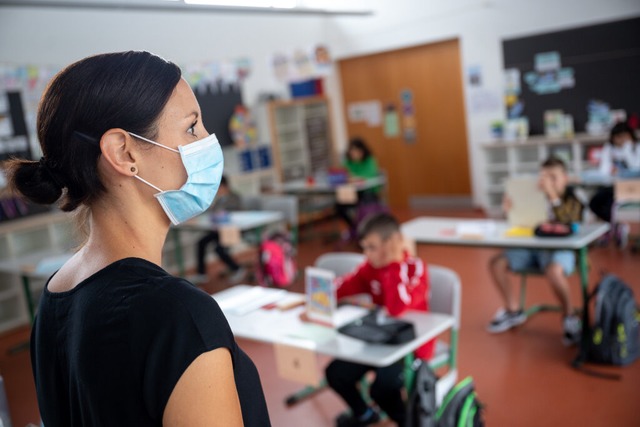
{"x":217,"y":103}
{"x":606,"y":63}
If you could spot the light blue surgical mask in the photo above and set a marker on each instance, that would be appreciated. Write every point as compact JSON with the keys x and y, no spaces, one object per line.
{"x":203,"y":162}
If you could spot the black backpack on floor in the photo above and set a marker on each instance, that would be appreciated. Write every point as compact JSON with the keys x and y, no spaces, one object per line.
{"x":460,"y":407}
{"x":614,"y":337}
{"x":421,"y":407}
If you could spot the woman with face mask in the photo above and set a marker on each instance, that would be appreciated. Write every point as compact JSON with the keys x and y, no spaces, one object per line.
{"x":117,"y":340}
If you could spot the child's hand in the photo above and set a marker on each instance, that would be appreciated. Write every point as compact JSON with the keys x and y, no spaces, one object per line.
{"x":409,"y":246}
{"x":546,"y":185}
{"x":304,"y":317}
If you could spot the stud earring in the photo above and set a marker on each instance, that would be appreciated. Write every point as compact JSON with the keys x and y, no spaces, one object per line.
{"x":133,"y":168}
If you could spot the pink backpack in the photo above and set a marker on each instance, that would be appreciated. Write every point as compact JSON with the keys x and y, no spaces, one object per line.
{"x":276,"y":264}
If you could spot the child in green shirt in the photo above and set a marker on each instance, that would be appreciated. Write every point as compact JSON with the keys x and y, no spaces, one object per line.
{"x":360,"y":164}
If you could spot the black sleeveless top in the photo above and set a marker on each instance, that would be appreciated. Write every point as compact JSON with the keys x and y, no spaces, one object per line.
{"x":110,"y":351}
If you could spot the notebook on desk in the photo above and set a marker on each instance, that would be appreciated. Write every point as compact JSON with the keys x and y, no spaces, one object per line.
{"x":528,"y":202}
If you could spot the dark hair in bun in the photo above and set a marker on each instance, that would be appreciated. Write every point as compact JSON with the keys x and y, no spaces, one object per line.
{"x":115,"y":90}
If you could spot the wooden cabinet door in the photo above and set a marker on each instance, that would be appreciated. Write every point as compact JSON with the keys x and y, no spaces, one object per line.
{"x":436,"y":163}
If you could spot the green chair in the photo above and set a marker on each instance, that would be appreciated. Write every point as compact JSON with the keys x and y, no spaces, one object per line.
{"x":535,"y":308}
{"x":445,"y":298}
{"x":288,"y":206}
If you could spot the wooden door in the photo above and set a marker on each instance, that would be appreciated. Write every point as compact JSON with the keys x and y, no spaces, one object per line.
{"x":436,"y":163}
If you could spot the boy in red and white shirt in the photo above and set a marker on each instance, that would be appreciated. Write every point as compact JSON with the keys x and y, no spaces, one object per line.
{"x":398,"y":282}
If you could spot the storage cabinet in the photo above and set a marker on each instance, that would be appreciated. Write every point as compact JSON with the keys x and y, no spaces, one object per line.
{"x":301,"y":137}
{"x":504,"y":159}
{"x":25,"y":242}
{"x":22,"y":243}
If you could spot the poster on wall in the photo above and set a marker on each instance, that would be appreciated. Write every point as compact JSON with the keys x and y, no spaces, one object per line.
{"x":409,"y":133}
{"x":391,"y":121}
{"x":217,"y":75}
{"x":512,"y":91}
{"x":548,"y":76}
{"x":242,"y":128}
{"x":300,"y":64}
{"x":474,"y":75}
{"x":29,"y":81}
{"x":369,"y":112}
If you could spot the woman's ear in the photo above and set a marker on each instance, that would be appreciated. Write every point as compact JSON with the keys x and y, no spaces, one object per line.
{"x":118,"y":150}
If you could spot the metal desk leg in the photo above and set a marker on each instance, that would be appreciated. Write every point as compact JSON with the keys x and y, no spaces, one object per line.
{"x":584,"y":285}
{"x":584,"y":275}
{"x":305,"y":393}
{"x":26,"y":285}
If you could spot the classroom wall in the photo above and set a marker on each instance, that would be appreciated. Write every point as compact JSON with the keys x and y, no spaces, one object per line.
{"x":59,"y":36}
{"x":46,"y":36}
{"x":53,"y":36}
{"x":481,"y":25}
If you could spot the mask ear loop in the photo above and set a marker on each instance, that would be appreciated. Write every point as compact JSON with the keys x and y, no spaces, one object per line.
{"x":153,"y":142}
{"x":148,"y":183}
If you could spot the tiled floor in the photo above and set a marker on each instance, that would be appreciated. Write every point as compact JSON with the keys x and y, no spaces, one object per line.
{"x":522,"y":376}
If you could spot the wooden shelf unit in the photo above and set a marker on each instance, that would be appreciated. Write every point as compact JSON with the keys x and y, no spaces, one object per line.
{"x":504,"y":159}
{"x":301,"y":137}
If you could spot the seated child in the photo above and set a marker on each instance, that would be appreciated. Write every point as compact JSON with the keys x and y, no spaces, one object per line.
{"x":396,"y":281}
{"x":226,"y":200}
{"x":565,"y":207}
{"x":619,"y":157}
{"x":361,"y":164}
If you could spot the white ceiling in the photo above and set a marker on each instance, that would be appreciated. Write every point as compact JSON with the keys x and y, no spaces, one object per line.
{"x":332,"y":7}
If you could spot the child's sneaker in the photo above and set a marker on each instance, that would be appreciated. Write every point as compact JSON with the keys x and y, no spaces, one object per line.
{"x":622,"y":235}
{"x":238,"y":276}
{"x":348,"y":420}
{"x":505,"y":320}
{"x":572,"y":330}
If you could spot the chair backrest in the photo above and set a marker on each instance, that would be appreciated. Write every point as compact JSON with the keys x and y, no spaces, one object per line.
{"x":288,"y":205}
{"x":251,"y":203}
{"x":445,"y":290}
{"x":340,"y":263}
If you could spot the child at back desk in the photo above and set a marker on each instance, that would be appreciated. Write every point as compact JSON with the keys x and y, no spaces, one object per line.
{"x":396,"y":281}
{"x":620,"y":157}
{"x":565,"y":207}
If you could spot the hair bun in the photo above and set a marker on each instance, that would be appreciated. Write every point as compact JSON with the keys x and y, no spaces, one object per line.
{"x":34,"y":180}
{"x":49,"y":169}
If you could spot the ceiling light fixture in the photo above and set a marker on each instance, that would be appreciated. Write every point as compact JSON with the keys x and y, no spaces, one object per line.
{"x":274,"y":4}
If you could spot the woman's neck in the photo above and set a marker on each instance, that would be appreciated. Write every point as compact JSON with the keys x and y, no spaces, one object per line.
{"x":118,"y":232}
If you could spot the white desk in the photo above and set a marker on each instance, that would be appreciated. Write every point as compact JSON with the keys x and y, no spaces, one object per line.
{"x":285,"y":327}
{"x":243,"y":220}
{"x":301,"y":186}
{"x":434,"y":230}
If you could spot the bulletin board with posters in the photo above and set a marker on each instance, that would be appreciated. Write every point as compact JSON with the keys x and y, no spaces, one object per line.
{"x":14,"y":142}
{"x":567,"y":69}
